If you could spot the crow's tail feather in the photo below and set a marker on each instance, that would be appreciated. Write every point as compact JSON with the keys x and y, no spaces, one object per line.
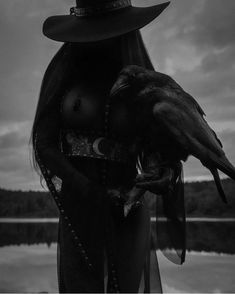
{"x":223,"y":164}
{"x":219,"y":185}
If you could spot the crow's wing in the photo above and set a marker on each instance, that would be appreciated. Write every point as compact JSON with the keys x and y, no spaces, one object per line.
{"x":181,"y":116}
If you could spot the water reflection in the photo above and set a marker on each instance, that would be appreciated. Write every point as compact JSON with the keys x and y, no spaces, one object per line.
{"x":215,"y":237}
{"x":28,"y":269}
{"x":204,"y":236}
{"x":32,"y":267}
{"x":201,"y":236}
{"x":28,"y":233}
{"x":201,"y":273}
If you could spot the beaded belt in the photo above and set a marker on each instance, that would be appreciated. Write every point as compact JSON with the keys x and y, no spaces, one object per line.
{"x":93,"y":146}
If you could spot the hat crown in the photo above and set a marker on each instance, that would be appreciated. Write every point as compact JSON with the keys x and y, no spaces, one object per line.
{"x":88,"y":3}
{"x":95,"y":7}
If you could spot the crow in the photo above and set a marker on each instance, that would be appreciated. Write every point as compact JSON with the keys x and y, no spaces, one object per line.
{"x":172,"y":120}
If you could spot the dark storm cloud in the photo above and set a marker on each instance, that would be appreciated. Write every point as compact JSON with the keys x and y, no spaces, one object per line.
{"x":12,"y":140}
{"x":25,"y":53}
{"x":219,"y":60}
{"x":202,"y":25}
{"x":228,"y":139}
{"x":16,"y":171}
{"x":15,"y":167}
{"x":212,"y":26}
{"x":194,"y":42}
{"x":194,"y":168}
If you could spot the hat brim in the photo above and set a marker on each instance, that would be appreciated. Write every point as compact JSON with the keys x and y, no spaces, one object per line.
{"x":70,"y":28}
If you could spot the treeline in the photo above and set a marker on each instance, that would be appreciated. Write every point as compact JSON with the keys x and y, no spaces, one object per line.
{"x":201,"y":236}
{"x":27,"y":204}
{"x":201,"y":199}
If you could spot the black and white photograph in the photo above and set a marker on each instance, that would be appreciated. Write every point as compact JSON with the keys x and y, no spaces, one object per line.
{"x":117,"y":135}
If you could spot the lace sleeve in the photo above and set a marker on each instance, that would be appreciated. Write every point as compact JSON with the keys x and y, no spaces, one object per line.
{"x":169,"y":223}
{"x":48,"y":152}
{"x":72,"y":191}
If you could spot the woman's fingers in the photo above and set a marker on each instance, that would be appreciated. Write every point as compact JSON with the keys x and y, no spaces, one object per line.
{"x":157,"y":184}
{"x":114,"y":193}
{"x":145,"y":177}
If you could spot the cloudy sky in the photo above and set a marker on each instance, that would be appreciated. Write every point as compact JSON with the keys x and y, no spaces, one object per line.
{"x":193,"y":41}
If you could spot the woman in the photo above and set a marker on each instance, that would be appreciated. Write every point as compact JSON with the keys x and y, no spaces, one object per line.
{"x":87,"y":149}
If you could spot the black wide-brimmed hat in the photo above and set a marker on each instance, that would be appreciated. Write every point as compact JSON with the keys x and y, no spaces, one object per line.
{"x":96,"y":20}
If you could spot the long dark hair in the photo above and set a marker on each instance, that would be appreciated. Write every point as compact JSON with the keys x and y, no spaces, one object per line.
{"x":102,"y":60}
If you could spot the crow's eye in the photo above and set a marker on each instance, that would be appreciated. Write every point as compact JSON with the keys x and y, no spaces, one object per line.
{"x":133,"y":76}
{"x":77,"y":104}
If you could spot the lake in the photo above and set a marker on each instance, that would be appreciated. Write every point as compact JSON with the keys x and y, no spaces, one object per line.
{"x":28,"y":257}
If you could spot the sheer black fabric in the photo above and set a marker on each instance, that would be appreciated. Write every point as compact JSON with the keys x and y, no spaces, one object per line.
{"x":170,"y":225}
{"x":81,"y":203}
{"x":76,"y":192}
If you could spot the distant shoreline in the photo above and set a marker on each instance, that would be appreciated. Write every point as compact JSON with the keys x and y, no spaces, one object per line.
{"x":201,"y":202}
{"x":55,"y":220}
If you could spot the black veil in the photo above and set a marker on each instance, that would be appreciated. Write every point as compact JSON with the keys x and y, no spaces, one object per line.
{"x":169,"y":223}
{"x":168,"y":235}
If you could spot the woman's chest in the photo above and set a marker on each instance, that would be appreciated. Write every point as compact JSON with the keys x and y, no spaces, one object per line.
{"x":87,"y":113}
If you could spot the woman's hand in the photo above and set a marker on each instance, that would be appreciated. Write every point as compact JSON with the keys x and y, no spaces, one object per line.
{"x":155,"y":178}
{"x":125,"y":199}
{"x":133,"y":198}
{"x":155,"y":183}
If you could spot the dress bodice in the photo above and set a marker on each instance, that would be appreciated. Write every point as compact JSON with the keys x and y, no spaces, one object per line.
{"x":87,"y":113}
{"x":94,"y":127}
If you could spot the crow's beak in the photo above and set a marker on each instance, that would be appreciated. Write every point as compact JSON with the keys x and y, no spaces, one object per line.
{"x":119,"y":86}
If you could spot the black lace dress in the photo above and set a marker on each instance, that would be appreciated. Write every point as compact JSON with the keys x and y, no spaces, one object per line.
{"x":92,"y":228}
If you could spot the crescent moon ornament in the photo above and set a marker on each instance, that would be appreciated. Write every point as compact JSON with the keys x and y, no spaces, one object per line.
{"x":95,"y":146}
